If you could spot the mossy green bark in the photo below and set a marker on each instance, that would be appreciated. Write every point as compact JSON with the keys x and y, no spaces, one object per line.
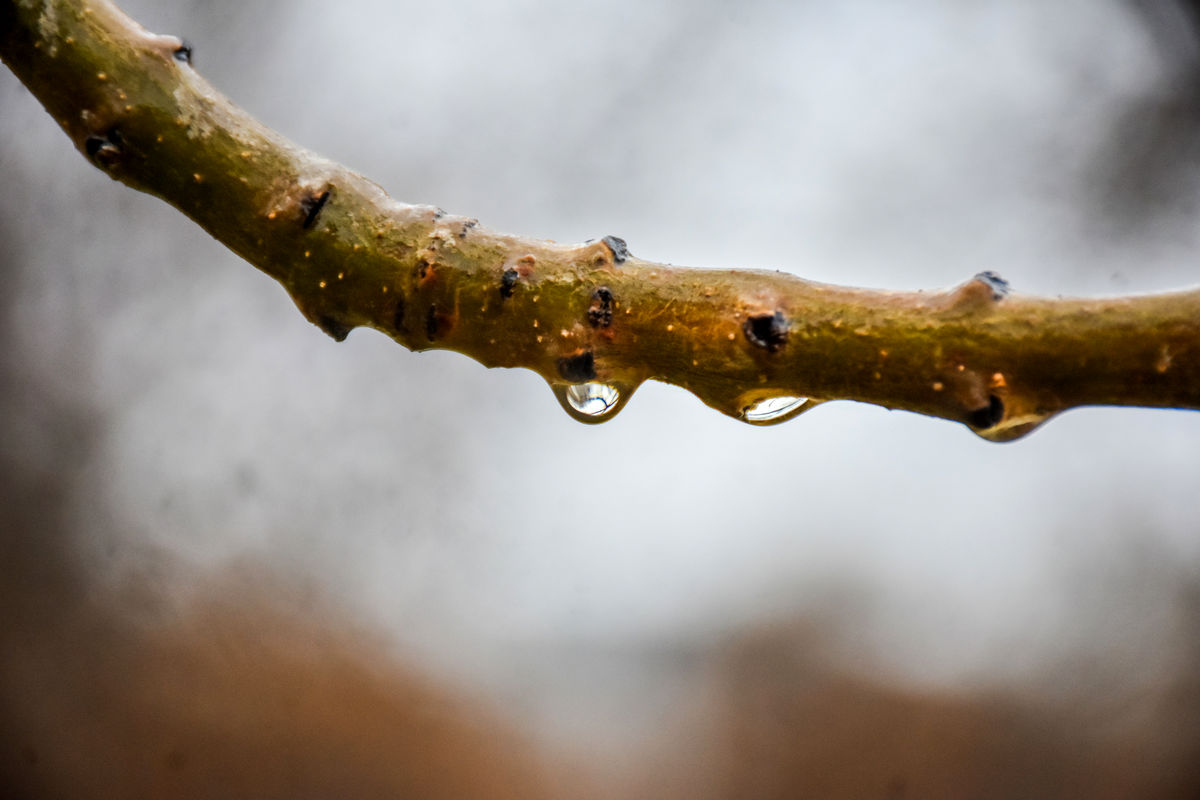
{"x":352,"y":257}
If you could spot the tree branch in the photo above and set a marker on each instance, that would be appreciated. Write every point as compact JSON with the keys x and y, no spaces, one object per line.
{"x":591,"y":319}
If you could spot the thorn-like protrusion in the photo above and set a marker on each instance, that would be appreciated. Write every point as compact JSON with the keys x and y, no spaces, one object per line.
{"x":620,"y":250}
{"x":979,"y":294}
{"x":104,"y":150}
{"x":998,"y":285}
{"x":183,"y":53}
{"x":768,"y":331}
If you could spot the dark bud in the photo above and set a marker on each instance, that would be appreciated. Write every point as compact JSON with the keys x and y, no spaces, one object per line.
{"x":311,"y":207}
{"x":600,"y":313}
{"x":337,"y":330}
{"x":998,"y":285}
{"x":989,"y":416}
{"x":620,"y":250}
{"x":105,"y":149}
{"x":578,"y":368}
{"x":93,"y":145}
{"x":768,"y":331}
{"x":508,"y":282}
{"x":183,"y":53}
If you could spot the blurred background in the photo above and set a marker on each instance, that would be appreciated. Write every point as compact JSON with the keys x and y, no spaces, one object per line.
{"x":239,"y":558}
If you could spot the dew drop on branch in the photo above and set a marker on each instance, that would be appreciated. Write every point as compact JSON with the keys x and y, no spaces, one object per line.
{"x":593,"y":399}
{"x":591,"y":402}
{"x":773,"y":410}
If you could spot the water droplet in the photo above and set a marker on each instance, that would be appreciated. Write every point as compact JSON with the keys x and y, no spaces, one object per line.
{"x":592,"y":402}
{"x":593,"y":399}
{"x":1012,"y":429}
{"x":773,"y":410}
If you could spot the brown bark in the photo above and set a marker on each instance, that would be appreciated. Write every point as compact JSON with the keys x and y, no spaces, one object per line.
{"x":591,"y":319}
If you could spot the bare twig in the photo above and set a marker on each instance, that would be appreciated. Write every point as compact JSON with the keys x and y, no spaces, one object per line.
{"x":591,"y":319}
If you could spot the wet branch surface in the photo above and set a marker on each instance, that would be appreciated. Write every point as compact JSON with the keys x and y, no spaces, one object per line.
{"x":591,"y":319}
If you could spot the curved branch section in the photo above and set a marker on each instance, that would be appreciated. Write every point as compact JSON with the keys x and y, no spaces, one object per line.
{"x":591,"y":319}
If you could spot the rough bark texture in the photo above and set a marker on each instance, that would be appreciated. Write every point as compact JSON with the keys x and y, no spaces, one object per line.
{"x":758,"y":346}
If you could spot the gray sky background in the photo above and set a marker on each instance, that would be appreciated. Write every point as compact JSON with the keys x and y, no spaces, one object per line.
{"x":457,"y":513}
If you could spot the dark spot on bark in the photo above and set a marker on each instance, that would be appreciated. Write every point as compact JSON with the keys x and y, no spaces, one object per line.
{"x":998,"y":285}
{"x":988,"y":416}
{"x":104,"y":150}
{"x":471,"y":223}
{"x":398,"y":315}
{"x":337,"y":330}
{"x":508,"y":282}
{"x":600,"y":313}
{"x":432,"y":323}
{"x":311,"y":207}
{"x":93,"y":144}
{"x":578,"y":368}
{"x":183,"y":53}
{"x":438,"y":213}
{"x":620,"y":250}
{"x":768,"y":331}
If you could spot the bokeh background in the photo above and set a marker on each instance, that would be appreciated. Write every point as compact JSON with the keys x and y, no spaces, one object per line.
{"x":239,"y":558}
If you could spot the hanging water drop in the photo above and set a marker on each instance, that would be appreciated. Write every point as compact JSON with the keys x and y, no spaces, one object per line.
{"x":1013,"y":428}
{"x":773,"y":410}
{"x":592,"y":402}
{"x":593,"y":399}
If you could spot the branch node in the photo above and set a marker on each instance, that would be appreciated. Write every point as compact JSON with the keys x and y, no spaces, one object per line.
{"x":104,"y":150}
{"x":618,"y":248}
{"x":508,"y":282}
{"x":311,"y":207}
{"x":1000,"y":287}
{"x":600,"y":312}
{"x":335,"y":328}
{"x":768,"y":331}
{"x":183,"y":53}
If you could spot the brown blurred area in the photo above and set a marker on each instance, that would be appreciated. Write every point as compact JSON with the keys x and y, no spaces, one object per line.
{"x":251,"y":690}
{"x":786,"y":726}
